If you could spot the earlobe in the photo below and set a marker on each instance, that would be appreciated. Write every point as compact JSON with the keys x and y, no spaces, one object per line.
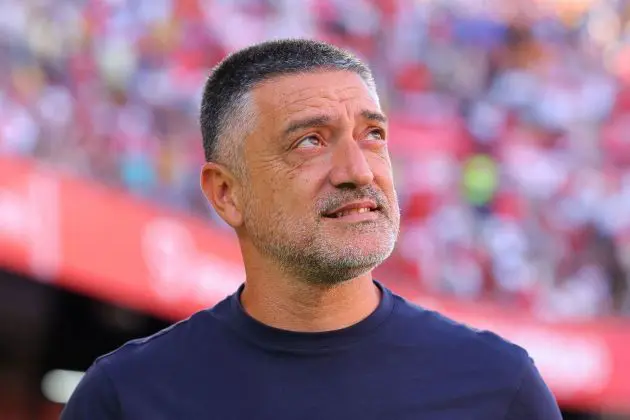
{"x":221,"y":190}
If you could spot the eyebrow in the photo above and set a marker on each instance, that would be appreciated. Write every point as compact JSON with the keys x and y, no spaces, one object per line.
{"x":322,"y":120}
{"x":374,"y":116}
{"x":317,"y":121}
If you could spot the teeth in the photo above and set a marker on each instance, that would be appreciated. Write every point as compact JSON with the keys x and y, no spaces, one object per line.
{"x":352,"y":211}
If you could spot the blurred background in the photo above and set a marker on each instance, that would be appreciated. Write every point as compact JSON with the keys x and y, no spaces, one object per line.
{"x":510,"y":137}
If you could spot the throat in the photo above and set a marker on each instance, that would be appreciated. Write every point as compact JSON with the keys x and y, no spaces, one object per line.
{"x":307,"y":308}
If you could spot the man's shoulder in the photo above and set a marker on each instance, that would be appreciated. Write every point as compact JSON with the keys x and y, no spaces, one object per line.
{"x":179,"y":341}
{"x":144,"y":365}
{"x":456,"y":340}
{"x":461,"y":357}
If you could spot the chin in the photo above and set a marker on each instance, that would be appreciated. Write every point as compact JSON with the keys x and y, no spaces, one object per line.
{"x":340,"y":264}
{"x":364,"y":260}
{"x":365,"y":248}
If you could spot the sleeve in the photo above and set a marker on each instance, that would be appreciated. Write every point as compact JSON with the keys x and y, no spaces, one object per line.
{"x":94,"y":398}
{"x":533,"y":399}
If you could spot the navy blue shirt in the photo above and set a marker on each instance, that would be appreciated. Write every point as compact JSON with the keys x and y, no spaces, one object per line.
{"x":401,"y":363}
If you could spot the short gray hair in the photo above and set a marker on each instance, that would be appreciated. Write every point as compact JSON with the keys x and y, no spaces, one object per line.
{"x":226,"y":115}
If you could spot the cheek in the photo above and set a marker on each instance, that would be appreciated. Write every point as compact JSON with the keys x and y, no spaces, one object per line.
{"x":300,"y":184}
{"x":382,"y":170}
{"x":299,"y":197}
{"x":279,"y":196}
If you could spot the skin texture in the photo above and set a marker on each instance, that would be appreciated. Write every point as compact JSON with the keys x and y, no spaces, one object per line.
{"x":319,"y":143}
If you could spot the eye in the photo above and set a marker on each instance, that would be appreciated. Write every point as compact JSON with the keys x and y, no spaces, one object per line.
{"x":376,"y":134}
{"x":309,"y":142}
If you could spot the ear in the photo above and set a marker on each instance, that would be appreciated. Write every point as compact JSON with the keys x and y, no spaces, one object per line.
{"x":222,"y":189}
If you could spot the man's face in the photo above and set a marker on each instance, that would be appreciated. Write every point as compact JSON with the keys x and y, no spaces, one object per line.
{"x":318,"y":195}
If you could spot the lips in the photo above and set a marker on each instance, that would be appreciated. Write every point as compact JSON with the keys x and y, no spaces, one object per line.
{"x":355,"y":207}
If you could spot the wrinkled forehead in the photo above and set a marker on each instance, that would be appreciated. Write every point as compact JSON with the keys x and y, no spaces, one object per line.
{"x":280,"y":99}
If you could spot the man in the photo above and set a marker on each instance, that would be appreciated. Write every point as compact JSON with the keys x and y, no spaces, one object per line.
{"x":297,"y":164}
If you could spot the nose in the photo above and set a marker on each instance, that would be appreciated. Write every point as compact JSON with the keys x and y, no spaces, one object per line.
{"x":350,"y":168}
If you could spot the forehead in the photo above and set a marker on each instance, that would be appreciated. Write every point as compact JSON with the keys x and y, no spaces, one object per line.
{"x":285,"y":97}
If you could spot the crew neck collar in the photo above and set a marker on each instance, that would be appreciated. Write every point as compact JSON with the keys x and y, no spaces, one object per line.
{"x":275,"y":338}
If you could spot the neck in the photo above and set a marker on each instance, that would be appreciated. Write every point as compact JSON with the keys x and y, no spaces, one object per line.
{"x":294,"y":305}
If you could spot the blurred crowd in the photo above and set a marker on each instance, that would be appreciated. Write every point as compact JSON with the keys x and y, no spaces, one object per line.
{"x":529,"y":206}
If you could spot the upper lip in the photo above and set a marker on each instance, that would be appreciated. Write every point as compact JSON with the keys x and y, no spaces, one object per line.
{"x":369,"y":204}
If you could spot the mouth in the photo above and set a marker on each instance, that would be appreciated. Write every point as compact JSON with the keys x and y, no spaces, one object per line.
{"x":354,"y":209}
